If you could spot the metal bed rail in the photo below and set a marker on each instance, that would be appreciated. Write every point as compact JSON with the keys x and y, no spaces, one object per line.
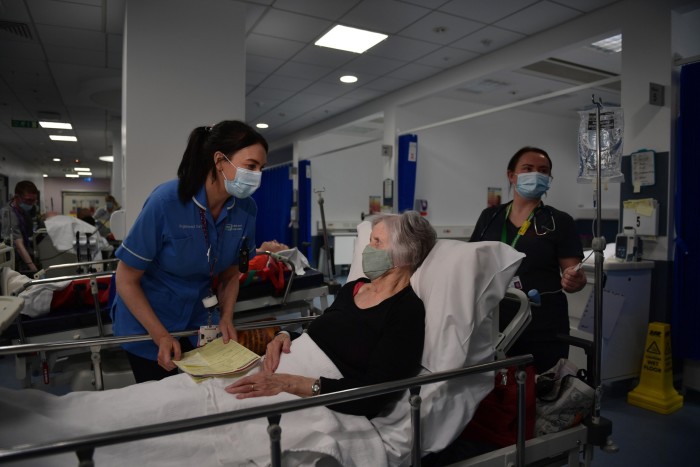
{"x":88,"y":265}
{"x":114,"y":341}
{"x":84,"y":446}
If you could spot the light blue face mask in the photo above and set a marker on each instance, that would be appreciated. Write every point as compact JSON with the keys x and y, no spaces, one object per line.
{"x":244,"y":183}
{"x":532,"y":185}
{"x":26,"y":207}
{"x":375,"y":262}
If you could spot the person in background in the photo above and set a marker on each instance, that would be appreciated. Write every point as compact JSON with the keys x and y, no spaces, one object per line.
{"x":179,"y":262}
{"x":85,"y":215}
{"x":20,"y":220}
{"x":104,"y":214}
{"x":375,"y":328}
{"x":553,"y":251}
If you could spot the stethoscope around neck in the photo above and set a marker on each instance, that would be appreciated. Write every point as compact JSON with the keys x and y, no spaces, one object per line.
{"x":542,"y":230}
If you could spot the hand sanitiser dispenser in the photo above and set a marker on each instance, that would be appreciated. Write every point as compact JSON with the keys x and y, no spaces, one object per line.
{"x":626,"y":245}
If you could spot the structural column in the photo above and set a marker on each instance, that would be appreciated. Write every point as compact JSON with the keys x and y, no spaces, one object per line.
{"x":184,"y":66}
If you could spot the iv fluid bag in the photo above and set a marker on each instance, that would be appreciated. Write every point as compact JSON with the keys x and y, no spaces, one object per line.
{"x":611,"y":132}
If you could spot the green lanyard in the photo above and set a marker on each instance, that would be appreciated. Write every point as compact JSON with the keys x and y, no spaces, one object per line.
{"x":521,"y":231}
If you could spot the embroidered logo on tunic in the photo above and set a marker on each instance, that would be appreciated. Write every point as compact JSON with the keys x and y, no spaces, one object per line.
{"x":191,"y":226}
{"x":231,"y":227}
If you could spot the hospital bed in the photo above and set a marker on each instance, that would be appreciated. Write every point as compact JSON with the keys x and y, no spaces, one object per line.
{"x":445,"y":408}
{"x":460,"y":283}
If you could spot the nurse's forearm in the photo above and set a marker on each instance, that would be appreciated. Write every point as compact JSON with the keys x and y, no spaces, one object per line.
{"x":130,"y":291}
{"x":229,"y":294}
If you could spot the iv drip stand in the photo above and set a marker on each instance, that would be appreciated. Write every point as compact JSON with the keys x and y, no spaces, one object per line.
{"x":333,"y":286}
{"x":600,"y":428}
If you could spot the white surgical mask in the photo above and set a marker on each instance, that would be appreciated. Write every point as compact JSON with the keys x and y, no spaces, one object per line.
{"x":244,"y":183}
{"x":532,"y":185}
{"x":375,"y":262}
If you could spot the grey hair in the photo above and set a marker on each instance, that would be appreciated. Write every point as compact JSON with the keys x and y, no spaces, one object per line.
{"x":412,"y":237}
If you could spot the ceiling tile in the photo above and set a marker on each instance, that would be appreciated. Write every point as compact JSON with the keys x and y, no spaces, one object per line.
{"x":286,"y":83}
{"x":385,"y":16}
{"x":70,"y":37}
{"x":447,"y":57}
{"x":402,"y":48}
{"x":292,"y":26}
{"x":485,"y":11}
{"x":487,"y":40}
{"x":330,"y":10}
{"x":387,"y":84}
{"x":262,"y":64}
{"x":67,"y":14}
{"x":586,"y":5}
{"x":538,"y":17}
{"x":275,"y":47}
{"x":440,"y":28}
{"x":303,"y":70}
{"x":414,"y":72}
{"x":368,"y":64}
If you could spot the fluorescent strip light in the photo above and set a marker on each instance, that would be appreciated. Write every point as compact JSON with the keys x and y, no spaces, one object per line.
{"x":262,"y":125}
{"x":350,"y":39}
{"x":56,"y":125}
{"x":82,"y":169}
{"x":72,"y":175}
{"x":57,"y":159}
{"x":348,"y":79}
{"x":63,"y":138}
{"x":610,"y":45}
{"x":45,"y":175}
{"x":85,"y":174}
{"x":107,"y":158}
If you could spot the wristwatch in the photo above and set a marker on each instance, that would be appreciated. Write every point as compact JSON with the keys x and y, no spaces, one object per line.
{"x":316,"y":388}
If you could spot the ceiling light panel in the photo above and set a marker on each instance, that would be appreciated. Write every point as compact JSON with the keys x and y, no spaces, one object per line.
{"x":350,"y":39}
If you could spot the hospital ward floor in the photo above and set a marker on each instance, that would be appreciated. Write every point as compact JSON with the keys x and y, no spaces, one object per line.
{"x":644,"y":438}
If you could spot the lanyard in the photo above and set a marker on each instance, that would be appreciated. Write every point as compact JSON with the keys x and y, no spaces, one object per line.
{"x":521,"y":231}
{"x":205,"y":231}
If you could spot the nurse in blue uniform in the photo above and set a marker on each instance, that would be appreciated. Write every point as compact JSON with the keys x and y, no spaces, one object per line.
{"x":172,"y":268}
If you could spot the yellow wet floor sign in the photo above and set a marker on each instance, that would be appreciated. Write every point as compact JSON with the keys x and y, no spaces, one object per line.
{"x":655,"y":390}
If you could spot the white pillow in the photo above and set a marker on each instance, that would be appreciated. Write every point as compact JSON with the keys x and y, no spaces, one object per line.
{"x":460,"y":284}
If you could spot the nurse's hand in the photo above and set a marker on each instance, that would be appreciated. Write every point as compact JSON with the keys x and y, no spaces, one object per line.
{"x":168,"y":350}
{"x":228,"y":331}
{"x":573,"y":280}
{"x":281,"y":343}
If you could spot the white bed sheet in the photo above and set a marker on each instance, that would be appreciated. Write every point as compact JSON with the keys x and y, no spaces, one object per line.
{"x":309,"y":435}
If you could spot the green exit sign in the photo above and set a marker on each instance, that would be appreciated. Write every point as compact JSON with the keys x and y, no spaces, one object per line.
{"x":25,"y":124}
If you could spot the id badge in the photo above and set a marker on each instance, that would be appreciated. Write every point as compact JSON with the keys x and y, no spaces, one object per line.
{"x":208,"y":334}
{"x":515,"y":283}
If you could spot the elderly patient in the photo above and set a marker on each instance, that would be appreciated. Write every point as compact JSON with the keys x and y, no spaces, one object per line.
{"x":374,"y":330}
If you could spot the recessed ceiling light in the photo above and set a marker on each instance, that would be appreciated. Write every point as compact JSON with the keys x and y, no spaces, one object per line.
{"x":262,"y":125}
{"x":56,"y":125}
{"x":350,"y":39}
{"x":82,"y":169}
{"x":610,"y":45}
{"x":57,"y":159}
{"x":348,"y":79}
{"x":72,"y":175}
{"x":63,"y":138}
{"x":45,"y":175}
{"x":107,"y":158}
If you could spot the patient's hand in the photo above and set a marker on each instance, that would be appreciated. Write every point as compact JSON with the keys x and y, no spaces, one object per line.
{"x":265,"y":384}
{"x":280,"y":343}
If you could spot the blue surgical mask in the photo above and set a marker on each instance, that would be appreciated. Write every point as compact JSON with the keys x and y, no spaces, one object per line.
{"x":375,"y":262}
{"x":532,"y":185}
{"x":26,"y":207}
{"x":109,"y":204}
{"x":244,"y":183}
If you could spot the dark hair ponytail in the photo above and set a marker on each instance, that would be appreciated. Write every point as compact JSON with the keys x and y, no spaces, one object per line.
{"x":229,"y":137}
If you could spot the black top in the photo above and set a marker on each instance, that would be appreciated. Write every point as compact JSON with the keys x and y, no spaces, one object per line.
{"x":539,"y":269}
{"x":372,"y":345}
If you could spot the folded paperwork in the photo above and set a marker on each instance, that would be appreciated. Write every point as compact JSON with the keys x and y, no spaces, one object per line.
{"x":217,"y":359}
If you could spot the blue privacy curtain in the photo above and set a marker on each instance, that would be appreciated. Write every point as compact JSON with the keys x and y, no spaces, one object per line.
{"x":305,"y":195}
{"x":406,"y":171}
{"x":685,"y":325}
{"x":274,"y":199}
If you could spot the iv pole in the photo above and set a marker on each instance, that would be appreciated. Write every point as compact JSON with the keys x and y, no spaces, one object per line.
{"x":333,"y":286}
{"x":600,"y":428}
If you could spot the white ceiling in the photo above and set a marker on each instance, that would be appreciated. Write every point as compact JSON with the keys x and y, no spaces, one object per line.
{"x":63,"y":59}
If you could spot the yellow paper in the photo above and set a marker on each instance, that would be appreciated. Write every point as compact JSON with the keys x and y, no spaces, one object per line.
{"x":644,"y":207}
{"x":217,"y":358}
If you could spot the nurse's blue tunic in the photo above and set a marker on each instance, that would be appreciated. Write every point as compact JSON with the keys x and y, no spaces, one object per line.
{"x":168,"y":244}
